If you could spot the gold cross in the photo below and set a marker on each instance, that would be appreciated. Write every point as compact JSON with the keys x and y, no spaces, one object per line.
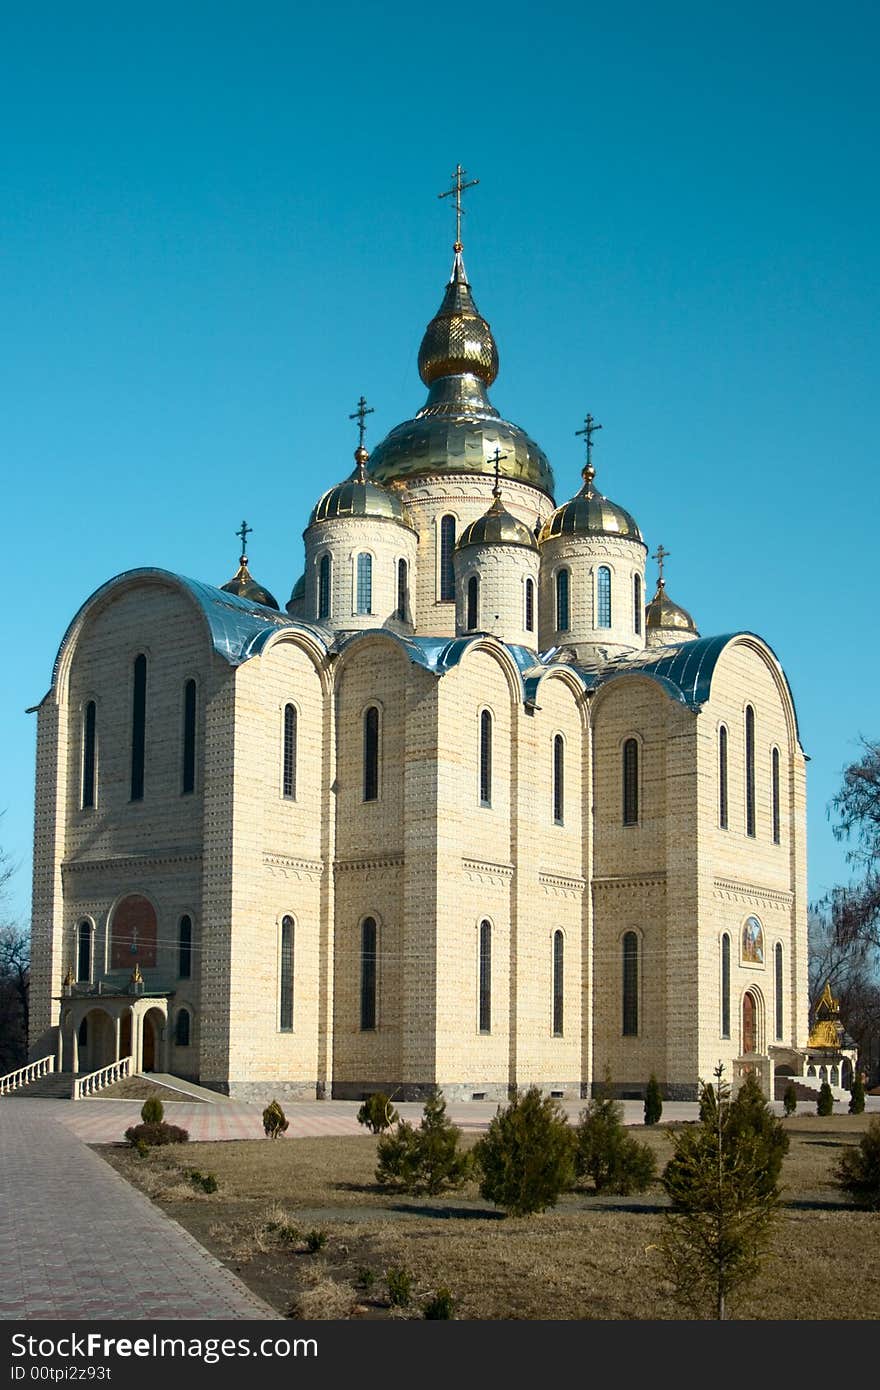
{"x":244,"y":533}
{"x":589,"y":430}
{"x":360,"y":414}
{"x":660,"y":555}
{"x":496,"y":459}
{"x":458,"y":187}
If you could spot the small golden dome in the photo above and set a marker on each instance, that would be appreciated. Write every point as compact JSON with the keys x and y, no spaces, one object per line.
{"x":497,"y":527}
{"x":359,"y":495}
{"x":662,"y":615}
{"x":245,"y":586}
{"x":458,"y":340}
{"x":590,"y":514}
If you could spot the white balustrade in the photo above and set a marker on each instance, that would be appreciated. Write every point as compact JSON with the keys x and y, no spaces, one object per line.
{"x":24,"y":1075}
{"x":95,"y":1081}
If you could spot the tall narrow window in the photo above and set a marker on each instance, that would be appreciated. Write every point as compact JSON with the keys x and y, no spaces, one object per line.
{"x":184,"y":948}
{"x":473,"y":596}
{"x":88,"y":755}
{"x":603,"y":597}
{"x":371,"y":754}
{"x":84,"y":953}
{"x":485,"y":977}
{"x":402,"y":587}
{"x":188,"y":779}
{"x":558,"y":779}
{"x":485,"y":758}
{"x":181,"y":1029}
{"x":368,"y":974}
{"x":288,"y":757}
{"x":138,"y":727}
{"x":777,"y":962}
{"x":630,"y":984}
{"x":631,"y":782}
{"x":324,"y":587}
{"x":725,"y":986}
{"x":750,"y":770}
{"x":530,"y":605}
{"x":562,"y":601}
{"x":558,"y":983}
{"x":774,"y":793}
{"x":285,"y":977}
{"x":447,"y":548}
{"x":637,"y":604}
{"x":722,"y":777}
{"x":364,"y":597}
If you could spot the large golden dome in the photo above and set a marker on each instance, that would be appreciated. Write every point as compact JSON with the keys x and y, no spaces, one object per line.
{"x":359,"y":495}
{"x":590,"y":514}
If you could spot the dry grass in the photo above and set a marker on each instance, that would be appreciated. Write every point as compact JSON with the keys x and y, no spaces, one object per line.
{"x":588,"y":1258}
{"x":136,"y":1088}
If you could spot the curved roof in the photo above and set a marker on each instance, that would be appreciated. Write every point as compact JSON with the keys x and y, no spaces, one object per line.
{"x":590,"y":513}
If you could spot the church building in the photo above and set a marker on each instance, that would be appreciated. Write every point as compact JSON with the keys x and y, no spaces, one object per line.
{"x":478,"y":809}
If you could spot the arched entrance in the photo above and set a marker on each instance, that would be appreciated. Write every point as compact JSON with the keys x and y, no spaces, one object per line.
{"x":749,"y":1024}
{"x":96,"y":1041}
{"x":153,"y":1040}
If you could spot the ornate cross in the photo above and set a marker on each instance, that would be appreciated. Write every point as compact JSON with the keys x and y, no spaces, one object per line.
{"x":458,"y":187}
{"x":363,"y":410}
{"x":660,"y":555}
{"x":589,"y":430}
{"x":496,"y":459}
{"x":243,"y":534}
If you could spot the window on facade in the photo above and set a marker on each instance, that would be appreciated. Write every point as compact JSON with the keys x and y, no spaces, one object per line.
{"x":181,"y":1028}
{"x":777,"y":962}
{"x":725,"y":986}
{"x":402,"y":587}
{"x":368,"y":974}
{"x":722,"y":777}
{"x":473,"y":597}
{"x":184,"y":948}
{"x":485,"y":977}
{"x":562,"y":601}
{"x":630,"y":984}
{"x":371,"y":754}
{"x":447,"y":549}
{"x":530,"y":605}
{"x":774,"y":793}
{"x":285,"y":977}
{"x":84,"y":953}
{"x":485,"y":758}
{"x":288,"y":756}
{"x":750,"y":770}
{"x":631,"y":782}
{"x":188,"y":778}
{"x":138,"y":727}
{"x":558,"y":982}
{"x":324,"y":587}
{"x":364,"y":596}
{"x":637,"y":604}
{"x":603,"y":596}
{"x":88,"y":755}
{"x":558,"y":779}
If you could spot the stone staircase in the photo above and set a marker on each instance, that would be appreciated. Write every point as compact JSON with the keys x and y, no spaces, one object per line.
{"x":57,"y":1085}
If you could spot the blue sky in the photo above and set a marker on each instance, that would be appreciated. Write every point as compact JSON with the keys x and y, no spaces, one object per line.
{"x":219,"y":225}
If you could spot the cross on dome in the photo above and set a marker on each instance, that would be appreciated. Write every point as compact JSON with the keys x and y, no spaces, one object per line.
{"x":660,"y":554}
{"x":243,"y":532}
{"x":589,"y":429}
{"x":360,"y":414}
{"x":458,"y":187}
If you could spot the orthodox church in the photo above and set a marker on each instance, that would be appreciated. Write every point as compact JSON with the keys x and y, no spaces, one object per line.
{"x":468,"y":813}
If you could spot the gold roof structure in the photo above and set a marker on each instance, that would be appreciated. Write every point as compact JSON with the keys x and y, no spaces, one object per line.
{"x":662,"y":615}
{"x":589,"y":513}
{"x":827,"y":1028}
{"x":359,"y":495}
{"x":244,"y":585}
{"x":497,"y":527}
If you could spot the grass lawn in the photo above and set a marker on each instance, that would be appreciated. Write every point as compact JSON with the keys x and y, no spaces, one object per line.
{"x":589,"y":1257}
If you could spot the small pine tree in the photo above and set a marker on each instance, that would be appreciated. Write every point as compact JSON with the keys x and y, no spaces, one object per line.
{"x":858,"y":1170}
{"x":749,"y":1113}
{"x":825,"y":1103}
{"x":606,"y":1154}
{"x":427,"y":1159}
{"x":274,"y":1121}
{"x":152,"y":1111}
{"x":526,"y":1157}
{"x":653,"y":1101}
{"x":857,"y":1095}
{"x":789,"y":1099}
{"x":377,"y":1113}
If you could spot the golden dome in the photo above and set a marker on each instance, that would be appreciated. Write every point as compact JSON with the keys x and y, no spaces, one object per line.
{"x":662,"y":614}
{"x":827,"y":1029}
{"x":299,"y":589}
{"x":359,"y":495}
{"x":497,"y":527}
{"x":245,"y":586}
{"x":458,"y":340}
{"x":590,"y":514}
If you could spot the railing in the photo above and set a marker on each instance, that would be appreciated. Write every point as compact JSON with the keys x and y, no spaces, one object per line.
{"x":95,"y":1081}
{"x":32,"y":1072}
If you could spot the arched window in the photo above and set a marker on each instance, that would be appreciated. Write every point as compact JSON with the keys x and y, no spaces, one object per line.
{"x":138,"y":727}
{"x":750,"y":770}
{"x":285,"y":977}
{"x":777,"y":962}
{"x":364,"y":598}
{"x":558,"y":779}
{"x":181,"y":1028}
{"x":447,"y":548}
{"x":88,"y":755}
{"x":288,"y":756}
{"x":637,"y":604}
{"x":722,"y":778}
{"x":371,"y":754}
{"x":725,"y":986}
{"x":473,"y":595}
{"x":188,"y":771}
{"x":324,"y":587}
{"x":368,"y":974}
{"x":630,"y":984}
{"x":603,"y":597}
{"x":530,"y":605}
{"x":485,"y":977}
{"x":631,"y":782}
{"x":402,"y":589}
{"x":774,"y":793}
{"x":84,"y":953}
{"x":562,"y":600}
{"x":485,"y":758}
{"x":558,"y":983}
{"x":184,"y":948}
{"x":134,"y":932}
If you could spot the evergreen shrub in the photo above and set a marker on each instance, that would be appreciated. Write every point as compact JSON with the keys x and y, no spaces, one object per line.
{"x":526,"y":1158}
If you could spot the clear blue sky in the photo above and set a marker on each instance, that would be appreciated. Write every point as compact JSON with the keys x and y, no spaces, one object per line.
{"x":219,"y":225}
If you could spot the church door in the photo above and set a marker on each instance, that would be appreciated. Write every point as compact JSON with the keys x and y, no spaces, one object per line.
{"x":149,"y":1060}
{"x":750,"y":1032}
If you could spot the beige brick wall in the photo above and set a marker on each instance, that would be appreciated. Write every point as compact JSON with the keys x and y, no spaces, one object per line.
{"x":582,"y":557}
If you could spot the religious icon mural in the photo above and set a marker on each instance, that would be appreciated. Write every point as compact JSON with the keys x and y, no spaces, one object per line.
{"x":753,"y":942}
